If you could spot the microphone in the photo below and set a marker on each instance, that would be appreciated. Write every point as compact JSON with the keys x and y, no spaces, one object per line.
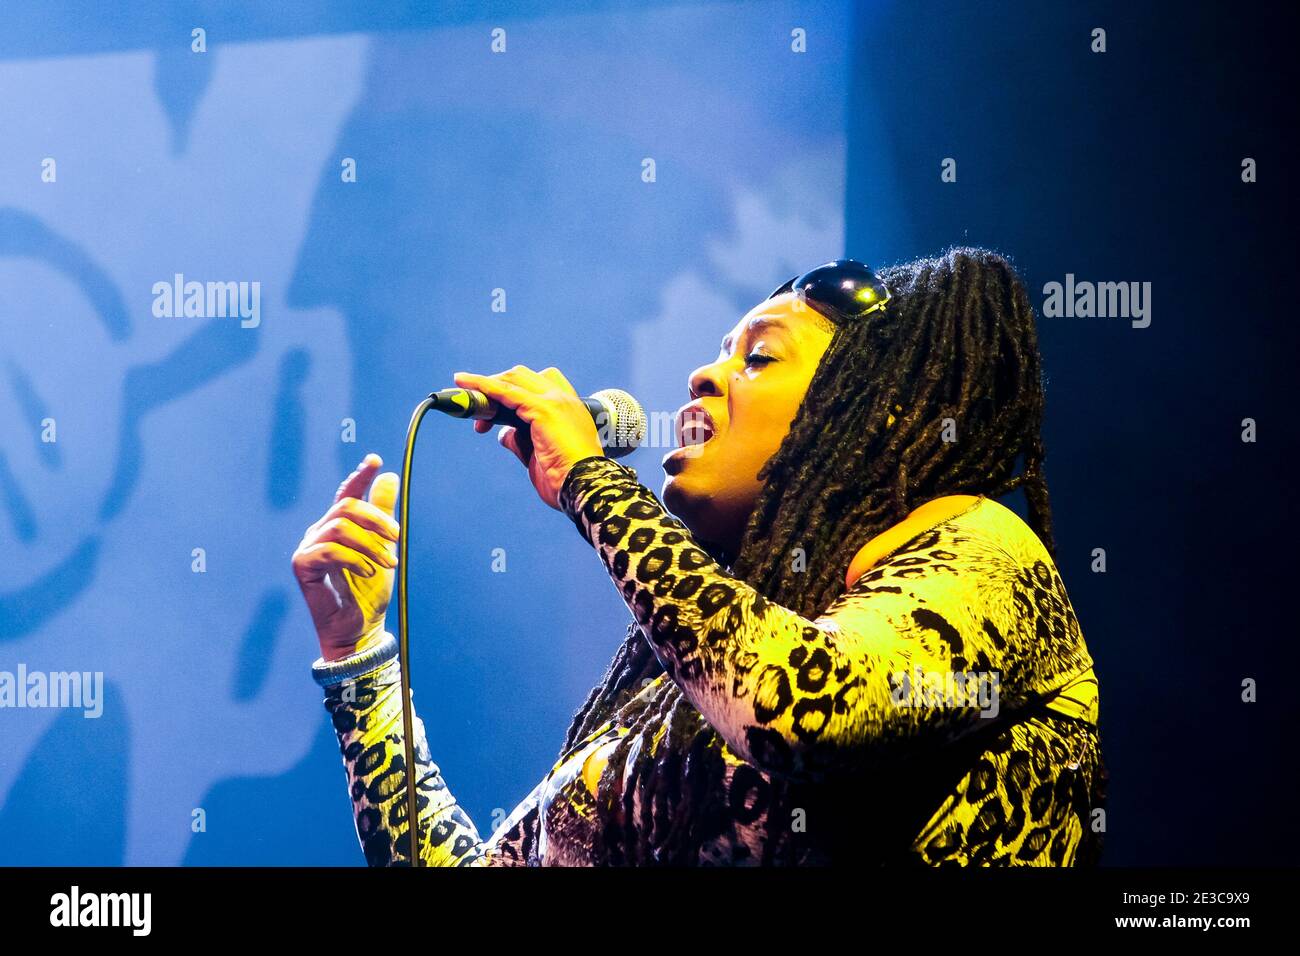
{"x":620,"y":419}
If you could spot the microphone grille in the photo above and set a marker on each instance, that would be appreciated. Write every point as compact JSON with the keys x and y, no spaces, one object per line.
{"x":627,"y":421}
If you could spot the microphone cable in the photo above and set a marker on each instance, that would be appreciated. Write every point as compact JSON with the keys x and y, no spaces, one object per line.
{"x":403,"y":643}
{"x":629,"y":419}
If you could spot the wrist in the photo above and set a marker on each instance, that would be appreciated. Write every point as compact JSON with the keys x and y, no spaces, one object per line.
{"x":370,"y":638}
{"x":574,"y":489}
{"x":366,"y":660}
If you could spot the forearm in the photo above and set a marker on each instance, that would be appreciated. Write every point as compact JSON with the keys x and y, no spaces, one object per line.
{"x":367,"y":717}
{"x":728,"y":648}
{"x":795,"y":697}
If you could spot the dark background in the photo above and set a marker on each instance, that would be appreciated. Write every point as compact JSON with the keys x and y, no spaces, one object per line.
{"x":1127,"y":165}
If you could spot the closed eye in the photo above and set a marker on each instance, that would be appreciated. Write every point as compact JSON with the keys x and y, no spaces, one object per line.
{"x":758,"y":358}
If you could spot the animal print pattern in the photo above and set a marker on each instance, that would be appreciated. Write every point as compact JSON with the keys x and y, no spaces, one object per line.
{"x":823,"y":762}
{"x":367,"y":717}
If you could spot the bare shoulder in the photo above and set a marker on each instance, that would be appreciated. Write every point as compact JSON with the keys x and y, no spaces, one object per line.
{"x":920,"y":519}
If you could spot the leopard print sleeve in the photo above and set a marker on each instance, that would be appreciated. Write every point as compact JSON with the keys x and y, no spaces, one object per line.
{"x":367,"y":718}
{"x":806,"y":699}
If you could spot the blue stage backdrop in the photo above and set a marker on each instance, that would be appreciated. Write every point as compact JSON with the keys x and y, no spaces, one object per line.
{"x":604,"y":187}
{"x":630,"y":189}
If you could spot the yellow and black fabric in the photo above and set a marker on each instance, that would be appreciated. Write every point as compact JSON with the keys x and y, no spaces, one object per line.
{"x":942,"y":711}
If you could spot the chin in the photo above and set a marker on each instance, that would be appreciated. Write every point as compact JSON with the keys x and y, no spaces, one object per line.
{"x":684,"y":501}
{"x":703,"y":509}
{"x":672,"y":496}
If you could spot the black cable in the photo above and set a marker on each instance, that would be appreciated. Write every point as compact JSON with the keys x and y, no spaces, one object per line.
{"x":403,"y":646}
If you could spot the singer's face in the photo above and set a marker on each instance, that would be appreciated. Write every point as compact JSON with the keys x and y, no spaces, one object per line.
{"x":741,"y":409}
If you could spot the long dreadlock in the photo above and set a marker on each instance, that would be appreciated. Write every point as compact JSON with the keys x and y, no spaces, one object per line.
{"x":939,"y":394}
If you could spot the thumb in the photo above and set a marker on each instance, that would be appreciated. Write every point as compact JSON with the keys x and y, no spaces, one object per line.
{"x":383,"y":493}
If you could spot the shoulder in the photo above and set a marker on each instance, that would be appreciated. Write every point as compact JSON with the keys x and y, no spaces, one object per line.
{"x":918,"y":521}
{"x":963,"y":516}
{"x":979,"y":577}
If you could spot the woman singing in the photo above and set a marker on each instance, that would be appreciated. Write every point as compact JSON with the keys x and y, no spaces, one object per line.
{"x":844,"y":650}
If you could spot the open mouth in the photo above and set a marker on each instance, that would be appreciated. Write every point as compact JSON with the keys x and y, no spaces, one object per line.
{"x":694,"y":426}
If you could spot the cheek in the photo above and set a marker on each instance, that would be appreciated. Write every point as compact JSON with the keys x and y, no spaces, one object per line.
{"x":761,"y":421}
{"x":753,"y":445}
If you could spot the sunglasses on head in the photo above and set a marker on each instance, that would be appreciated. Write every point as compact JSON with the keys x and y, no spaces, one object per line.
{"x":845,"y":285}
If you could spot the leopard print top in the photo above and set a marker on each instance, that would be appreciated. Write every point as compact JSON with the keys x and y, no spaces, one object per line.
{"x":942,"y":711}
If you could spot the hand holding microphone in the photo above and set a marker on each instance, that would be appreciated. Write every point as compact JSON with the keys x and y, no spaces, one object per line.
{"x":561,"y":426}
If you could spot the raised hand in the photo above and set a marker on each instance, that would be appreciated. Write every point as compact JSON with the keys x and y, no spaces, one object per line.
{"x":345,"y":561}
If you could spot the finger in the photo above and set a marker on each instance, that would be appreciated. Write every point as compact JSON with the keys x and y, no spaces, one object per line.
{"x":553,"y":374}
{"x":383,"y":494}
{"x":522,"y":446}
{"x":373,"y":546}
{"x":365,"y":513}
{"x":314,"y":562}
{"x":482,"y":425}
{"x":525,"y":378}
{"x":355,"y":484}
{"x":506,"y":393}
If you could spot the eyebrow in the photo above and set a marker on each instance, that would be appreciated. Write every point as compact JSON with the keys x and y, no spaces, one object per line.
{"x":755,"y":325}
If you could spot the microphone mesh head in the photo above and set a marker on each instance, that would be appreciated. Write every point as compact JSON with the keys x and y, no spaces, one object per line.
{"x":627,"y":421}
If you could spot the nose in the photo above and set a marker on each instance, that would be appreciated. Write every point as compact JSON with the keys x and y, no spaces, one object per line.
{"x":705,"y":380}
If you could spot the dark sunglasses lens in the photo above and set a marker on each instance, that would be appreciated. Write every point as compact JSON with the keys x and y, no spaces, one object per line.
{"x":846,"y":285}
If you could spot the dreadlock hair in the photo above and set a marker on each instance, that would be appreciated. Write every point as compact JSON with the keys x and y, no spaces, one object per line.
{"x":938,"y":394}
